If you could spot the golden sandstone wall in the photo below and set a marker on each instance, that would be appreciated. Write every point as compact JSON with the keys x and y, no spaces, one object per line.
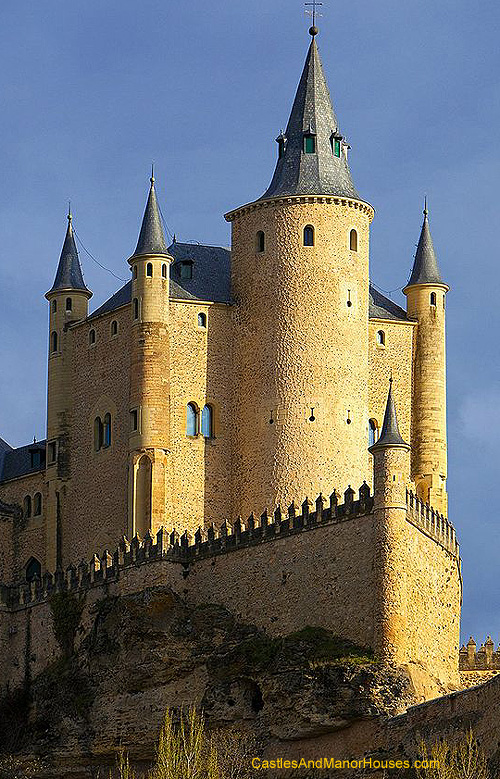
{"x":300,"y":341}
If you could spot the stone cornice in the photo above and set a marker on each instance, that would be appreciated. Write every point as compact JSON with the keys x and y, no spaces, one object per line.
{"x":360,"y":205}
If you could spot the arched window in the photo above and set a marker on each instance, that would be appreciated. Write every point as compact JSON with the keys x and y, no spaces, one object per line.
{"x":308,"y":235}
{"x":143,"y":488}
{"x":191,"y":420}
{"x":114,"y":327}
{"x":33,"y":570}
{"x":381,"y":338}
{"x":54,"y":306}
{"x":69,"y":304}
{"x":207,"y":422}
{"x":353,"y":241}
{"x":134,"y":272}
{"x":149,"y":269}
{"x":98,"y":433}
{"x":27,"y":507}
{"x":202,"y":319}
{"x":37,"y":504}
{"x":433,"y":298}
{"x":136,"y":308}
{"x":372,"y":432}
{"x":106,"y":438}
{"x":53,"y":342}
{"x":260,"y":241}
{"x":92,"y":337}
{"x":164,"y":270}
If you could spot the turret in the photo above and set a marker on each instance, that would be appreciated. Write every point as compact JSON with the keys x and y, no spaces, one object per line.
{"x":300,"y":283}
{"x":391,"y":471}
{"x":149,"y":374}
{"x":426,"y":302}
{"x":68,"y":302}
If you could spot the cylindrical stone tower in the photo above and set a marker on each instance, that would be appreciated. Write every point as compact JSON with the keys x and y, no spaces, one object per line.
{"x":149,"y":375}
{"x":68,"y":302}
{"x":426,"y":302}
{"x":300,"y":284}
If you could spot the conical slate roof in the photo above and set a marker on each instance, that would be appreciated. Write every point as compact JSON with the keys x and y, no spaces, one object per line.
{"x":321,"y":172}
{"x":390,"y":435}
{"x":425,"y":267}
{"x":69,"y":274}
{"x":151,"y":238}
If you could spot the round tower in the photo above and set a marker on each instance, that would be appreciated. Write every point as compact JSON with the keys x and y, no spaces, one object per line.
{"x":300,"y":284}
{"x":426,"y":302}
{"x":68,"y":302}
{"x":149,"y":374}
{"x":391,"y":472}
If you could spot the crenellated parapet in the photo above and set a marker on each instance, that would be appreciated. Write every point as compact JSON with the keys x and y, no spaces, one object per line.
{"x":486,"y":658}
{"x":432,"y":522}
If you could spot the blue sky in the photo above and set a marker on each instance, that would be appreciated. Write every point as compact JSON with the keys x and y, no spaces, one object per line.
{"x":93,"y":92}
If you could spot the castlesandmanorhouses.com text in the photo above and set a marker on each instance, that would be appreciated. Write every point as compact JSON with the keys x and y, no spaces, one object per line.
{"x":330,"y":762}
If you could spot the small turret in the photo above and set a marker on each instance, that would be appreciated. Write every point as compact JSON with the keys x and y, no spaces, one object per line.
{"x":391,"y":463}
{"x":149,"y":373}
{"x":426,"y":302}
{"x":68,"y":302}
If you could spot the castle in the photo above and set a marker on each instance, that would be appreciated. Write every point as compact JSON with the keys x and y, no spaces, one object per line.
{"x":237,"y":395}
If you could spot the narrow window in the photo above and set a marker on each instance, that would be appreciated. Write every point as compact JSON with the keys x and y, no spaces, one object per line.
{"x":281,"y":146}
{"x":164,"y":270}
{"x":136,"y":308}
{"x":336,"y":147}
{"x":260,"y":242}
{"x":206,"y":422}
{"x":149,"y":269}
{"x":37,"y":504}
{"x":309,"y":235}
{"x":98,"y":433}
{"x":36,"y":459}
{"x":309,"y":143}
{"x":69,"y":304}
{"x":134,"y":420}
{"x":134,"y":271}
{"x":186,"y":269}
{"x":54,"y":306}
{"x":51,"y":452}
{"x":433,"y":298}
{"x":353,"y":241}
{"x":114,"y":327}
{"x":381,"y":338}
{"x":33,"y":570}
{"x":444,"y":301}
{"x":372,"y":432}
{"x":107,"y":431}
{"x":53,"y":342}
{"x":27,"y":507}
{"x":92,"y":337}
{"x":202,"y":319}
{"x":191,"y":420}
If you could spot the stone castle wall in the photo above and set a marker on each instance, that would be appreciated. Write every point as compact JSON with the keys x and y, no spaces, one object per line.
{"x":310,"y":566}
{"x":27,"y":535}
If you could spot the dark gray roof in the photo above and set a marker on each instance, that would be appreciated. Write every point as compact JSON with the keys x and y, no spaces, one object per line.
{"x":381,"y":307}
{"x":69,"y":271}
{"x":151,"y":238}
{"x":211,"y":277}
{"x":321,"y":173}
{"x":18,"y":462}
{"x":425,"y":268}
{"x":390,"y":435}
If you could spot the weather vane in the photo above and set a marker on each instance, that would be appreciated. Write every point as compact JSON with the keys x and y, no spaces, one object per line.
{"x":312,"y":13}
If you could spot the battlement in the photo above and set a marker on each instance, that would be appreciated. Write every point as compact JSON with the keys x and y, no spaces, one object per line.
{"x":483,"y":659}
{"x":436,"y":525}
{"x":186,"y":549}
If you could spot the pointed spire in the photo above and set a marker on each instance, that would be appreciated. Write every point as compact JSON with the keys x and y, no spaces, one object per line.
{"x":390,"y":435}
{"x":425,"y":267}
{"x":321,"y":167}
{"x":69,"y":274}
{"x":151,"y":238}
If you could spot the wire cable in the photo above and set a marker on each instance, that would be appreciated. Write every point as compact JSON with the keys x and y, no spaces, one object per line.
{"x":94,"y":259}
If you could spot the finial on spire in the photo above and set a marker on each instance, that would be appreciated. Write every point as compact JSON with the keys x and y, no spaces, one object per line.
{"x":70,"y":215}
{"x":152,"y":179}
{"x":425,"y":206}
{"x":313,"y":30}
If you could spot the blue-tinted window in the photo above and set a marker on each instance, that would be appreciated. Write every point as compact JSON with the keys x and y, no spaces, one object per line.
{"x":191,"y":420}
{"x":372,"y":432}
{"x":309,"y":235}
{"x":206,"y":422}
{"x":107,"y":431}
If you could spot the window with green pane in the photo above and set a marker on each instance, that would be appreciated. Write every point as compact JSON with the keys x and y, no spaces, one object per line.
{"x":336,"y":147}
{"x":309,"y":144}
